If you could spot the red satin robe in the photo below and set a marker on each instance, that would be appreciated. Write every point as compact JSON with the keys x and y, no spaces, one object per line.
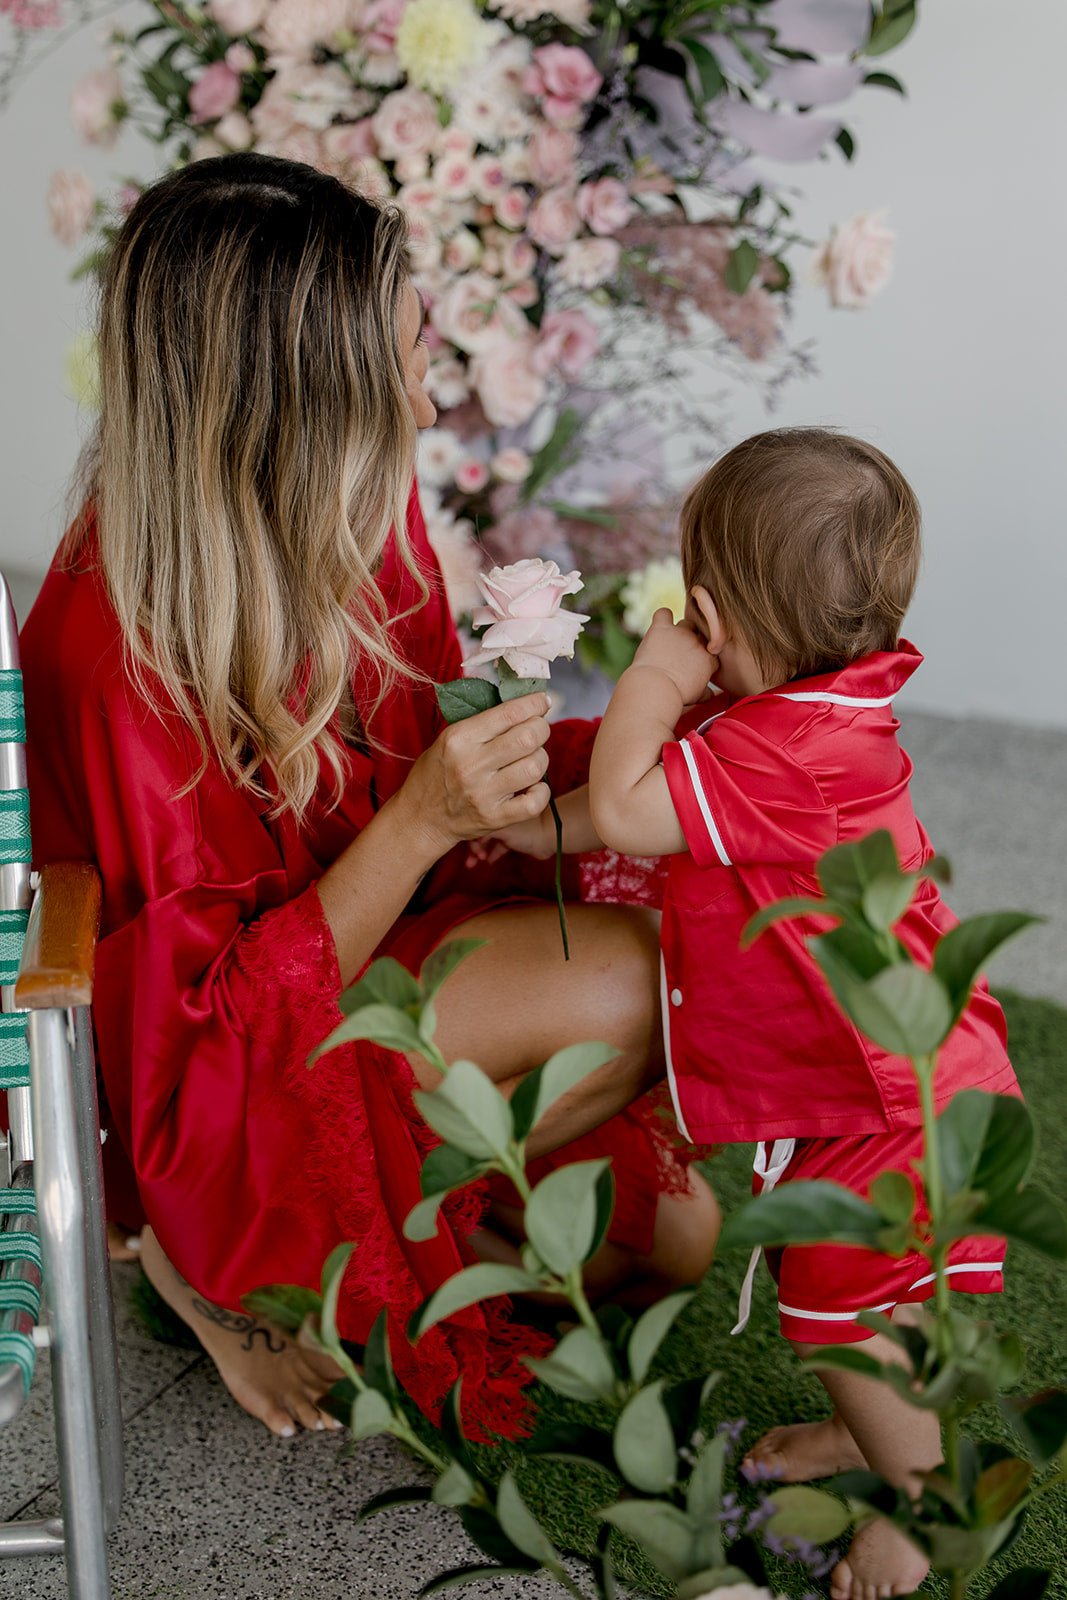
{"x":217,"y":975}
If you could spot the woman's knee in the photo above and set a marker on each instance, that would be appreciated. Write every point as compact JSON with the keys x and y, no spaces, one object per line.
{"x":686,"y":1232}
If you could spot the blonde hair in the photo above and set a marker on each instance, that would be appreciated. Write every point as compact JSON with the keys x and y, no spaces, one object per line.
{"x":255,"y":448}
{"x":809,"y":543}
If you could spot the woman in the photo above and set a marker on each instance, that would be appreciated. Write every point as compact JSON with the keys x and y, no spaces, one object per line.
{"x":229,"y":677}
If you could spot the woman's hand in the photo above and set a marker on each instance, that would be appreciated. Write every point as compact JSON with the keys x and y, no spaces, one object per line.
{"x":483,"y":775}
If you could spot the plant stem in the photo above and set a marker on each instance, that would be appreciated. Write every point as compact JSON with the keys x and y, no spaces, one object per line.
{"x":557,"y":819}
{"x":925,"y":1068}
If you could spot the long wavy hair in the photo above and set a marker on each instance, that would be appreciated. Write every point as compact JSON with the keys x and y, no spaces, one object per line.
{"x":255,"y":448}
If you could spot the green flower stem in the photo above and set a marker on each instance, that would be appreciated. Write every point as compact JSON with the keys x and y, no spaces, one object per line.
{"x":557,"y":819}
{"x":401,"y":1428}
{"x":925,"y":1067}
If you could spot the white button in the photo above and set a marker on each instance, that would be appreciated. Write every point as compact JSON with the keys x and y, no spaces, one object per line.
{"x":676,"y":997}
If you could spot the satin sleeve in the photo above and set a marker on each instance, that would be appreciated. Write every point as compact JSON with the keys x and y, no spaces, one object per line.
{"x":742,"y":798}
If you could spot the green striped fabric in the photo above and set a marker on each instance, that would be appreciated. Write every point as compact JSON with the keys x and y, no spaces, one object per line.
{"x":12,"y":934}
{"x":12,"y":709}
{"x":18,"y":1202}
{"x":19,"y":1347}
{"x":19,"y":1295}
{"x":14,"y":826}
{"x":20,"y":1247}
{"x":14,"y":1052}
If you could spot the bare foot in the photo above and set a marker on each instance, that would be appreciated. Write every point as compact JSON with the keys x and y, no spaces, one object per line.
{"x":122,"y":1244}
{"x":272,"y":1378}
{"x":803,"y":1451}
{"x":881,"y":1562}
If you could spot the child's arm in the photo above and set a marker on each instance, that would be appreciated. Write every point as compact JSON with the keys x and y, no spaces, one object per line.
{"x":537,"y":836}
{"x":631,"y":805}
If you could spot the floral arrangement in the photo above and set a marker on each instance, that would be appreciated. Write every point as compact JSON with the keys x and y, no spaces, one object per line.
{"x":590,"y":212}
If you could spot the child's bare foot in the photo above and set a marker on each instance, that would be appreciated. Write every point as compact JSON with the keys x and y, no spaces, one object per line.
{"x":880,"y":1562}
{"x":803,"y":1451}
{"x":273,"y":1378}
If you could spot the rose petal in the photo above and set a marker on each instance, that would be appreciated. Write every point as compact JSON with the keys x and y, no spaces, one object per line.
{"x":825,"y":27}
{"x":784,"y":136}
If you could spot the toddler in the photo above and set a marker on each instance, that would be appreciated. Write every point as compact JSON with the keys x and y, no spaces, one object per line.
{"x":800,"y":550}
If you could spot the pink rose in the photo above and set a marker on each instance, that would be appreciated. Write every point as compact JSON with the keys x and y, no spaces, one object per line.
{"x":553,"y":155}
{"x":511,"y":465}
{"x":524,"y":294}
{"x":455,"y":175}
{"x":856,"y":262}
{"x":605,"y":205}
{"x":215,"y":92}
{"x":472,"y":475}
{"x":568,"y":342}
{"x":293,"y":28}
{"x":349,"y":142}
{"x":561,"y":112}
{"x":71,"y":203}
{"x":471,"y":315}
{"x":235,"y":131}
{"x":522,"y":617}
{"x":240,"y":56}
{"x":566,"y":71}
{"x":587,"y":263}
{"x":237,"y":17}
{"x":92,"y":106}
{"x":518,"y":260}
{"x":462,"y":250}
{"x":554,"y":220}
{"x":405,"y":124}
{"x":511,"y":209}
{"x":508,"y":385}
{"x":379,"y":24}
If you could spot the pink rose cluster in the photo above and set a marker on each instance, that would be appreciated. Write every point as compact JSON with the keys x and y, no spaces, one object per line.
{"x":524,"y":623}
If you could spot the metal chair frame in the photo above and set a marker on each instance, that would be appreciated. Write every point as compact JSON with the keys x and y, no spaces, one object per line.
{"x":53,"y":1170}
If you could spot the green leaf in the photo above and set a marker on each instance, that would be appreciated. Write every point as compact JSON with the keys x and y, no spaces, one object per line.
{"x":414,"y":1494}
{"x":887,"y":898}
{"x":795,"y":906}
{"x":444,"y":1170}
{"x":846,"y":143}
{"x":481,"y":1282}
{"x":644,"y":1442}
{"x":455,"y":1486}
{"x":552,"y":457}
{"x":802,"y":1213}
{"x":573,"y":1441}
{"x":333,"y":1271}
{"x":844,"y":1358}
{"x":903,"y":1008}
{"x":1000,"y":1488}
{"x":561,"y":1215}
{"x":458,"y":1577}
{"x":965,"y":1549}
{"x":885,"y":80}
{"x":1030,"y":1217}
{"x":465,"y":697}
{"x":1040,"y":1420}
{"x":709,"y":72}
{"x":580,"y":1367}
{"x":441,"y":964}
{"x":703,"y":1497}
{"x":284,"y":1304}
{"x":468,"y":1111}
{"x":513,"y":687}
{"x":371,"y":1414}
{"x":605,"y":1207}
{"x":618,"y":646}
{"x":986,"y":1142}
{"x":805,"y":1513}
{"x":962,"y":953}
{"x":890,"y":29}
{"x":521,"y":1526}
{"x":384,"y":1025}
{"x":652,"y":1328}
{"x":741,"y":267}
{"x":894,"y":1195}
{"x":560,"y":1073}
{"x":385,"y":981}
{"x":482,"y":1526}
{"x":664,"y":1533}
{"x":598,"y":519}
{"x":706,"y":1582}
{"x":845,"y":871}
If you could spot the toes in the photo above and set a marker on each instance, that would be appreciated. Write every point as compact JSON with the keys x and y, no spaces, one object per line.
{"x":306,"y":1412}
{"x":841,"y":1582}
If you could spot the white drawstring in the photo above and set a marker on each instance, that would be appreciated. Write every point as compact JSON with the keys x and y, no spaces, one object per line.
{"x":770,"y":1169}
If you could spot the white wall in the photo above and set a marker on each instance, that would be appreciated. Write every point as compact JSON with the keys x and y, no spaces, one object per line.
{"x":956,"y":371}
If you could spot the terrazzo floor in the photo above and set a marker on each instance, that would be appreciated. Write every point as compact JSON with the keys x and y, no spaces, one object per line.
{"x":216,"y":1509}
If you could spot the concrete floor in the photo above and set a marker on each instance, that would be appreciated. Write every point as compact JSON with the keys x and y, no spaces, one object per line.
{"x":215,"y":1507}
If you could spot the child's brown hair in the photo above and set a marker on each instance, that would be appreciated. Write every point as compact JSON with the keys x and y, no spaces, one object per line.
{"x":809,"y":544}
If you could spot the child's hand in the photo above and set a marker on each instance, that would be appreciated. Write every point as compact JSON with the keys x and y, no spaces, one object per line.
{"x":533,"y":837}
{"x":676,"y":649}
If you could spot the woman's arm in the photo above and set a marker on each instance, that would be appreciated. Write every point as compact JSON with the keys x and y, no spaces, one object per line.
{"x":478,"y":777}
{"x":632,"y":809}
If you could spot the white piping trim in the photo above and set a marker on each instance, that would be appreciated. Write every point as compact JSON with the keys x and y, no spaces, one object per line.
{"x":702,"y":801}
{"x":920,"y":1283}
{"x":825,"y":697}
{"x":672,"y":1082}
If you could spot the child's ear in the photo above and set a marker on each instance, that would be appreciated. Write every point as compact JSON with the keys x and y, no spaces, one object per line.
{"x":717,"y":635}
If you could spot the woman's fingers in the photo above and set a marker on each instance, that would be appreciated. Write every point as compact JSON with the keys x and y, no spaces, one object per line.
{"x":488,"y":725}
{"x":518,"y":775}
{"x":528,"y":803}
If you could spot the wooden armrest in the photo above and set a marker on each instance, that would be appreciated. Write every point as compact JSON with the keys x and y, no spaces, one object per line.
{"x":60,"y":949}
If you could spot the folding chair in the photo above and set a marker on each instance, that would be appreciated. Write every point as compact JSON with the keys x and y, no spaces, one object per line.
{"x":53,"y":1244}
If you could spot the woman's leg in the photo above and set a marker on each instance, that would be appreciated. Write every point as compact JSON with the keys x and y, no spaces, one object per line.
{"x":514,"y":1003}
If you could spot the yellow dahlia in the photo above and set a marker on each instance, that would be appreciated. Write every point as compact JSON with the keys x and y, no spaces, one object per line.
{"x":440,"y":41}
{"x":658,"y":584}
